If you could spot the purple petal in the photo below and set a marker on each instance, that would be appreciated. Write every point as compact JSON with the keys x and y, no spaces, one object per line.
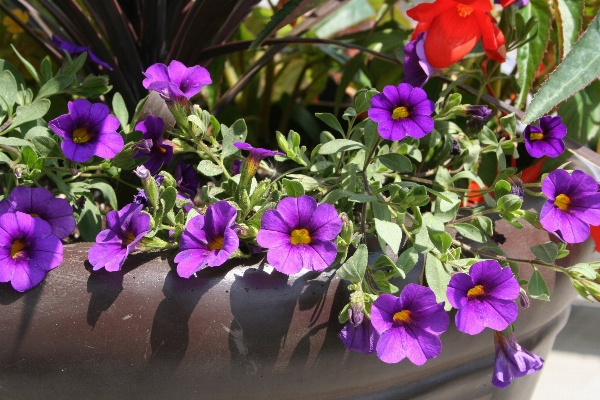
{"x":268,"y":238}
{"x":286,"y":259}
{"x":469,"y":318}
{"x":190,"y":261}
{"x":362,"y":338}
{"x":379,"y":114}
{"x":325,"y":224}
{"x":421,"y":345}
{"x":383,"y":310}
{"x":457,"y":289}
{"x":392,"y":345}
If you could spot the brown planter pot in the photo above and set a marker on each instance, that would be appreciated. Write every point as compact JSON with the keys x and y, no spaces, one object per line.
{"x":238,"y":331}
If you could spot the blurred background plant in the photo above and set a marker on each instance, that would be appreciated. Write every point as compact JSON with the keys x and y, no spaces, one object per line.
{"x":276,"y":64}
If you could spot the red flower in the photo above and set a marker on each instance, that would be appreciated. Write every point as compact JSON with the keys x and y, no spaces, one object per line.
{"x":453,"y":28}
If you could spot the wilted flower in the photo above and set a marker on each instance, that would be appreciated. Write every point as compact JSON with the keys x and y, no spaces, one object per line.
{"x":402,"y":111}
{"x":417,"y":70}
{"x":359,"y":335}
{"x":516,"y":186}
{"x":573,"y":205}
{"x":88,"y":130}
{"x":176,"y":83}
{"x":75,"y":49}
{"x":545,"y":139}
{"x":454,"y":27}
{"x":28,"y":250}
{"x":512,"y":361}
{"x":41,"y":204}
{"x":207,"y":240}
{"x":187,"y":180}
{"x":484,"y":297}
{"x":409,"y":326}
{"x":158,"y":151}
{"x":125,"y":228}
{"x":300,"y":234}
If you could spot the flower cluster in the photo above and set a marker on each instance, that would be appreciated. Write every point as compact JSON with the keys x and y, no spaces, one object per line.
{"x":409,"y":177}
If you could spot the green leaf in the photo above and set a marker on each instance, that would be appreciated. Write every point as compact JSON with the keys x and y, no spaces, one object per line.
{"x":354,"y":268}
{"x":529,"y":56}
{"x":54,"y":86}
{"x":568,"y":21}
{"x":29,"y":156}
{"x":396,"y":162}
{"x":8,"y":89}
{"x":546,"y":252}
{"x":293,"y":188}
{"x":90,"y":220}
{"x":209,"y":168}
{"x":46,"y":69}
{"x":120,"y":110}
{"x":35,"y":110}
{"x":390,"y":232}
{"x":47,"y":147}
{"x":335,"y":195}
{"x":338,"y":145}
{"x":485,"y":224}
{"x":27,"y":65}
{"x":470,"y":232}
{"x":75,"y":65}
{"x":236,"y":133}
{"x":533,"y":218}
{"x":168,"y":197}
{"x":509,"y":123}
{"x":579,"y":68}
{"x":15,"y":142}
{"x":407,"y":260}
{"x":501,"y":188}
{"x":437,"y":279}
{"x":487,"y":137}
{"x":331,"y":121}
{"x":537,"y":287}
{"x":362,"y":198}
{"x":107,"y":191}
{"x":309,"y":183}
{"x":581,"y":114}
{"x":509,"y":203}
{"x":440,"y":239}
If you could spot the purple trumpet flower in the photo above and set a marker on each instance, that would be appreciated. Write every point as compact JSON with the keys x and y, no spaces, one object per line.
{"x":158,"y":151}
{"x":75,"y":49}
{"x":545,"y":139}
{"x":176,"y":83}
{"x":512,"y":361}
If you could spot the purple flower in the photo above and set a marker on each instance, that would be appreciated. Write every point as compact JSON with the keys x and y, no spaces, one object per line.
{"x":187,"y":180}
{"x":88,"y":130}
{"x":207,"y":240}
{"x":125,"y":228}
{"x":75,"y":49}
{"x":300,"y":234}
{"x":359,"y":335}
{"x":545,"y":139}
{"x":409,"y":325}
{"x":417,"y":70}
{"x":256,"y":155}
{"x":512,"y":361}
{"x":41,"y":204}
{"x":402,"y":111}
{"x":176,"y":83}
{"x":155,"y":148}
{"x":573,"y":205}
{"x":28,"y":250}
{"x":235,"y":169}
{"x":484,"y":297}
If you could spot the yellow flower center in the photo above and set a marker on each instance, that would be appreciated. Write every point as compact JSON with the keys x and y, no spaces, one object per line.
{"x":400,"y":112}
{"x":129,"y":237}
{"x":562,"y":201}
{"x":81,"y":135}
{"x":536,"y":136}
{"x":216,"y":244}
{"x":402,"y":316}
{"x":11,"y":25}
{"x":300,"y":236}
{"x":16,"y":248}
{"x":475,"y":291}
{"x":464,"y":11}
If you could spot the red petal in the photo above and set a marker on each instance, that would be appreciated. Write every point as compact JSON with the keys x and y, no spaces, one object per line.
{"x":493,"y":40}
{"x":426,"y":12}
{"x":451,"y":37}
{"x":506,"y":3}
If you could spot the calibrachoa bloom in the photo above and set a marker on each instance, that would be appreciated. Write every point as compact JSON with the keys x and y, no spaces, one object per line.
{"x":75,"y":49}
{"x":409,"y":325}
{"x":88,"y":130}
{"x":125,"y":228}
{"x":512,"y":361}
{"x":208,"y":239}
{"x":41,"y":204}
{"x":417,"y":70}
{"x":359,"y":335}
{"x":573,"y":205}
{"x":250,"y":165}
{"x":300,"y":234}
{"x":176,"y":83}
{"x":28,"y":250}
{"x":484,"y":297}
{"x":402,"y":111}
{"x":545,"y":139}
{"x":453,"y":28}
{"x":158,"y":151}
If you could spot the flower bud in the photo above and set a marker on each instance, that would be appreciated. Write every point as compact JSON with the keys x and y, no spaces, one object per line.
{"x":18,"y":172}
{"x":524,"y":299}
{"x":516,"y":186}
{"x":455,"y":147}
